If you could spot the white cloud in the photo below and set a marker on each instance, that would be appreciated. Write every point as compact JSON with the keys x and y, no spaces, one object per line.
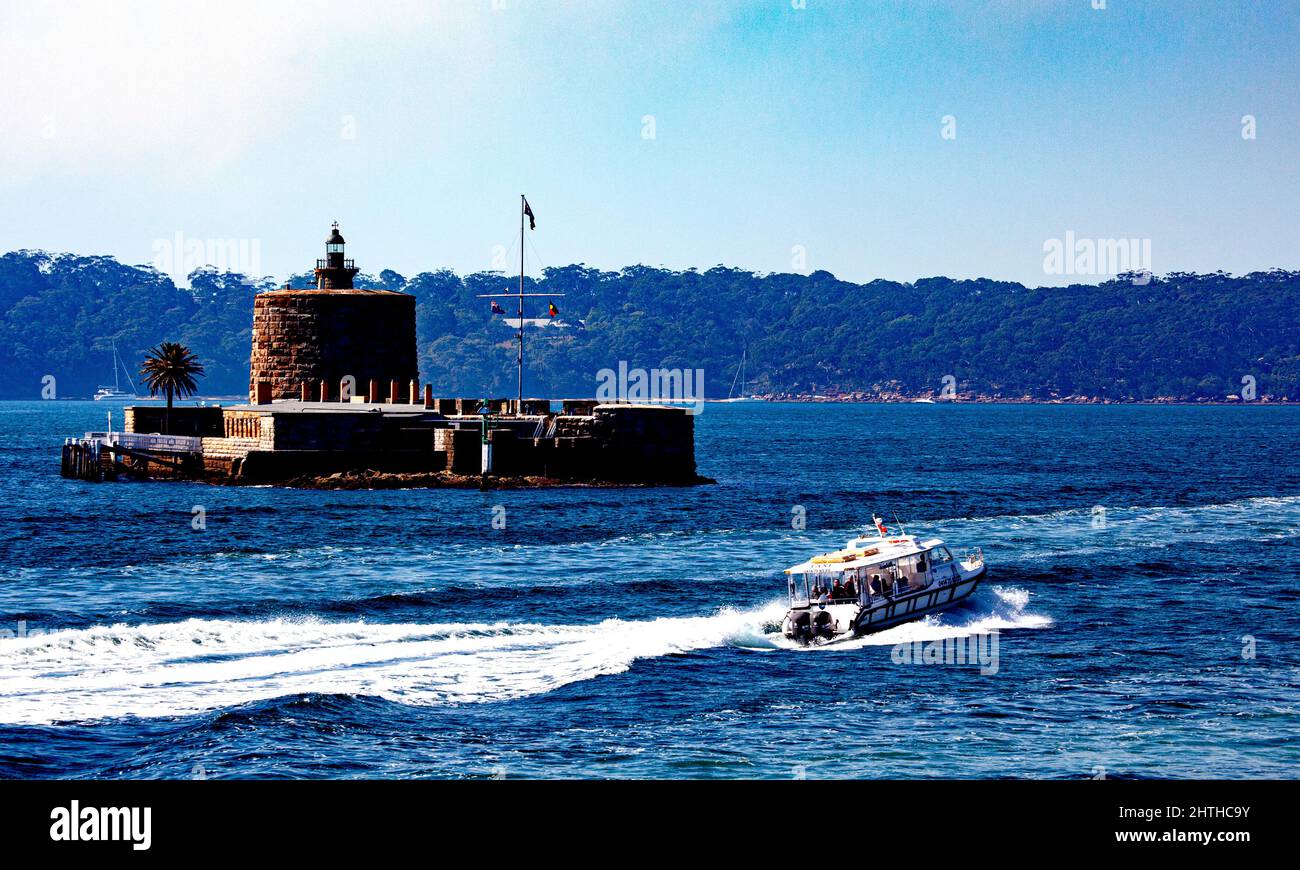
{"x":177,"y":89}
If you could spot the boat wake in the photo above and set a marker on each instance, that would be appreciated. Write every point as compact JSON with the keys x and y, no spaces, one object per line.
{"x":183,"y":668}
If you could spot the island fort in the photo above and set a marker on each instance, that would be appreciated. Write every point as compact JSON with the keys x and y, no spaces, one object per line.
{"x":335,"y":399}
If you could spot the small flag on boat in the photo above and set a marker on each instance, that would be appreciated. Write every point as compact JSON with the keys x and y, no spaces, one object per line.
{"x":528,"y":212}
{"x":552,"y":310}
{"x":497,"y":309}
{"x":880,"y":526}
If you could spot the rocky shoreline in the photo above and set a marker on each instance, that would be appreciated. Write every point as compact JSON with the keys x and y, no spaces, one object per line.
{"x":980,"y":399}
{"x":447,"y":480}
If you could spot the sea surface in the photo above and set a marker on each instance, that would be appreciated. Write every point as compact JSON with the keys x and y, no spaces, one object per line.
{"x":1142,"y":588}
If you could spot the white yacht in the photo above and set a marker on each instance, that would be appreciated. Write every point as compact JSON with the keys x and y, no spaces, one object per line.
{"x":115,"y":393}
{"x":732,"y":395}
{"x":874,"y":583}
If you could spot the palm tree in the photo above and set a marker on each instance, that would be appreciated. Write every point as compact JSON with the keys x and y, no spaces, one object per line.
{"x":170,"y":369}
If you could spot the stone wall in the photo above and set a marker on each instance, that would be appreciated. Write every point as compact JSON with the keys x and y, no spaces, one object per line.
{"x":617,"y":444}
{"x":306,"y":336}
{"x":646,"y":443}
{"x":221,"y":455}
{"x":280,"y":466}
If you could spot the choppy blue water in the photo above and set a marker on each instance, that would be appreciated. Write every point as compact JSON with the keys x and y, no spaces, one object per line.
{"x":630,"y":633}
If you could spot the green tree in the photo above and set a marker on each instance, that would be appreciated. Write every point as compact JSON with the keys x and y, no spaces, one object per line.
{"x":170,"y":369}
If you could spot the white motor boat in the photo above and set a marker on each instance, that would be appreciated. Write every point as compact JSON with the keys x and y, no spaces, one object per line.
{"x":874,"y":583}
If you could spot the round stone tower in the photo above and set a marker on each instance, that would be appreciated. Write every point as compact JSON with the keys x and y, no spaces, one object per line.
{"x":329,"y":332}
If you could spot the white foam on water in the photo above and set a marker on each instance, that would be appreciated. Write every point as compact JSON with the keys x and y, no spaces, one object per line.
{"x":1253,"y":507}
{"x":1007,"y":611}
{"x":183,"y":668}
{"x":177,"y":669}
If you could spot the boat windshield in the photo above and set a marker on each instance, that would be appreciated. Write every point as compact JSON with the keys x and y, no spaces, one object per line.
{"x":834,"y":587}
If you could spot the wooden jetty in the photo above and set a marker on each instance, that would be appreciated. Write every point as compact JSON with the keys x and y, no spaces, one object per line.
{"x":100,"y":456}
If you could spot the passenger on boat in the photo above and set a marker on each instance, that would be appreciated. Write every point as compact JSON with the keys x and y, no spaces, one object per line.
{"x":850,"y":590}
{"x":874,"y":586}
{"x":837,"y":589}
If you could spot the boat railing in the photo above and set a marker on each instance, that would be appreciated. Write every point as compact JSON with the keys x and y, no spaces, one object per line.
{"x":843,"y":599}
{"x":975,"y":556}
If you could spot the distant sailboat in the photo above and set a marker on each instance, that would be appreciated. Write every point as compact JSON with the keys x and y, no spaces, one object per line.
{"x":732,"y":395}
{"x":115,"y":393}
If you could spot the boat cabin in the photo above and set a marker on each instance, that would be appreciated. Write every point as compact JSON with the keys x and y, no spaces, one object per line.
{"x":868,"y":569}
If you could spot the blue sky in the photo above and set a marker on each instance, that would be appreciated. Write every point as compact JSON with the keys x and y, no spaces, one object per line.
{"x":776,"y":130}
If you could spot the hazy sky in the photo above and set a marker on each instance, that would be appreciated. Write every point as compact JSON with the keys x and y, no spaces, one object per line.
{"x":668,"y":133}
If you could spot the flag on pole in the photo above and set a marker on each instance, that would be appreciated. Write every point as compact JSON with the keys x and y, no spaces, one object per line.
{"x":528,"y":213}
{"x":552,"y":310}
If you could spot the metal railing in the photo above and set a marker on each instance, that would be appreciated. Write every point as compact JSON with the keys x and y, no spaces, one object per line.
{"x":169,"y":443}
{"x":545,"y":428}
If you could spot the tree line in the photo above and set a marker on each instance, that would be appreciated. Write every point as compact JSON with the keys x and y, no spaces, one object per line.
{"x":1183,"y":336}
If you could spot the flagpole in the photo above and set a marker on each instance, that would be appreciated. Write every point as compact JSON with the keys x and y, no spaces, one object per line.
{"x":522,"y":204}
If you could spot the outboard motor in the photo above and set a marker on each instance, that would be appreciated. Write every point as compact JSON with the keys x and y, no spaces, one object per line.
{"x":801,"y":627}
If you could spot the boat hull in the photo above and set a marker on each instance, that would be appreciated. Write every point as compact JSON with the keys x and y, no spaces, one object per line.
{"x":835,"y":620}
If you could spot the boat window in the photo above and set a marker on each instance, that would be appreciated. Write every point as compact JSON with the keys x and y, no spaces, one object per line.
{"x":912,"y":572}
{"x":825,"y":584}
{"x":798,"y":585}
{"x":940,"y":555}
